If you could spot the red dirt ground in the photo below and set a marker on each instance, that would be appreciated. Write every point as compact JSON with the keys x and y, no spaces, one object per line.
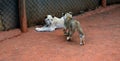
{"x":102,"y":41}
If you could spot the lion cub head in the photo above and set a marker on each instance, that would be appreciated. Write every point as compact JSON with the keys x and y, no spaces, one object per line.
{"x":67,"y":16}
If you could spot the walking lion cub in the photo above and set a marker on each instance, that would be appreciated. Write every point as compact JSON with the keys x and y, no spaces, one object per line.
{"x":71,"y":25}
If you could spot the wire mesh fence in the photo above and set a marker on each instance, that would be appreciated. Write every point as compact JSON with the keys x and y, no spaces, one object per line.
{"x":9,"y":14}
{"x":38,"y":9}
{"x":112,"y":1}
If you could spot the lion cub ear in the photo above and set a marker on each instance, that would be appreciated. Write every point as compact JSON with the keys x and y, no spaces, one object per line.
{"x":63,"y":14}
{"x":53,"y":16}
{"x":70,"y":13}
{"x":45,"y":17}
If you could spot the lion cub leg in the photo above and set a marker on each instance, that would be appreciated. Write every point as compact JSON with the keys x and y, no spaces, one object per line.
{"x":82,"y":41}
{"x":81,"y":34}
{"x":71,"y":31}
{"x":65,"y":32}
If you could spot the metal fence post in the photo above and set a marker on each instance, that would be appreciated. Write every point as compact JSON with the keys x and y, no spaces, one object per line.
{"x":104,"y":4}
{"x":22,"y":16}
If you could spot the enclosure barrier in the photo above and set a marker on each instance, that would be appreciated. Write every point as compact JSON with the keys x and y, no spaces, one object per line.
{"x":9,"y":14}
{"x":36,"y":10}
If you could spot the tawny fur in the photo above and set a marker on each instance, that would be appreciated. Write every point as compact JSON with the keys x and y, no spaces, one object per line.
{"x":71,"y":25}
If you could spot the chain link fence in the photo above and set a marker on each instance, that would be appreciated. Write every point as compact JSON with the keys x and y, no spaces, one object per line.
{"x":112,"y":2}
{"x":8,"y":14}
{"x":38,"y":9}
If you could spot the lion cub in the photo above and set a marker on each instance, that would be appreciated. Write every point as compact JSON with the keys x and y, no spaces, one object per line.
{"x":70,"y":26}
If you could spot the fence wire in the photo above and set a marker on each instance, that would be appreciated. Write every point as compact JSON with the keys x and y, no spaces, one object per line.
{"x":9,"y":14}
{"x":112,"y":1}
{"x":38,"y":9}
